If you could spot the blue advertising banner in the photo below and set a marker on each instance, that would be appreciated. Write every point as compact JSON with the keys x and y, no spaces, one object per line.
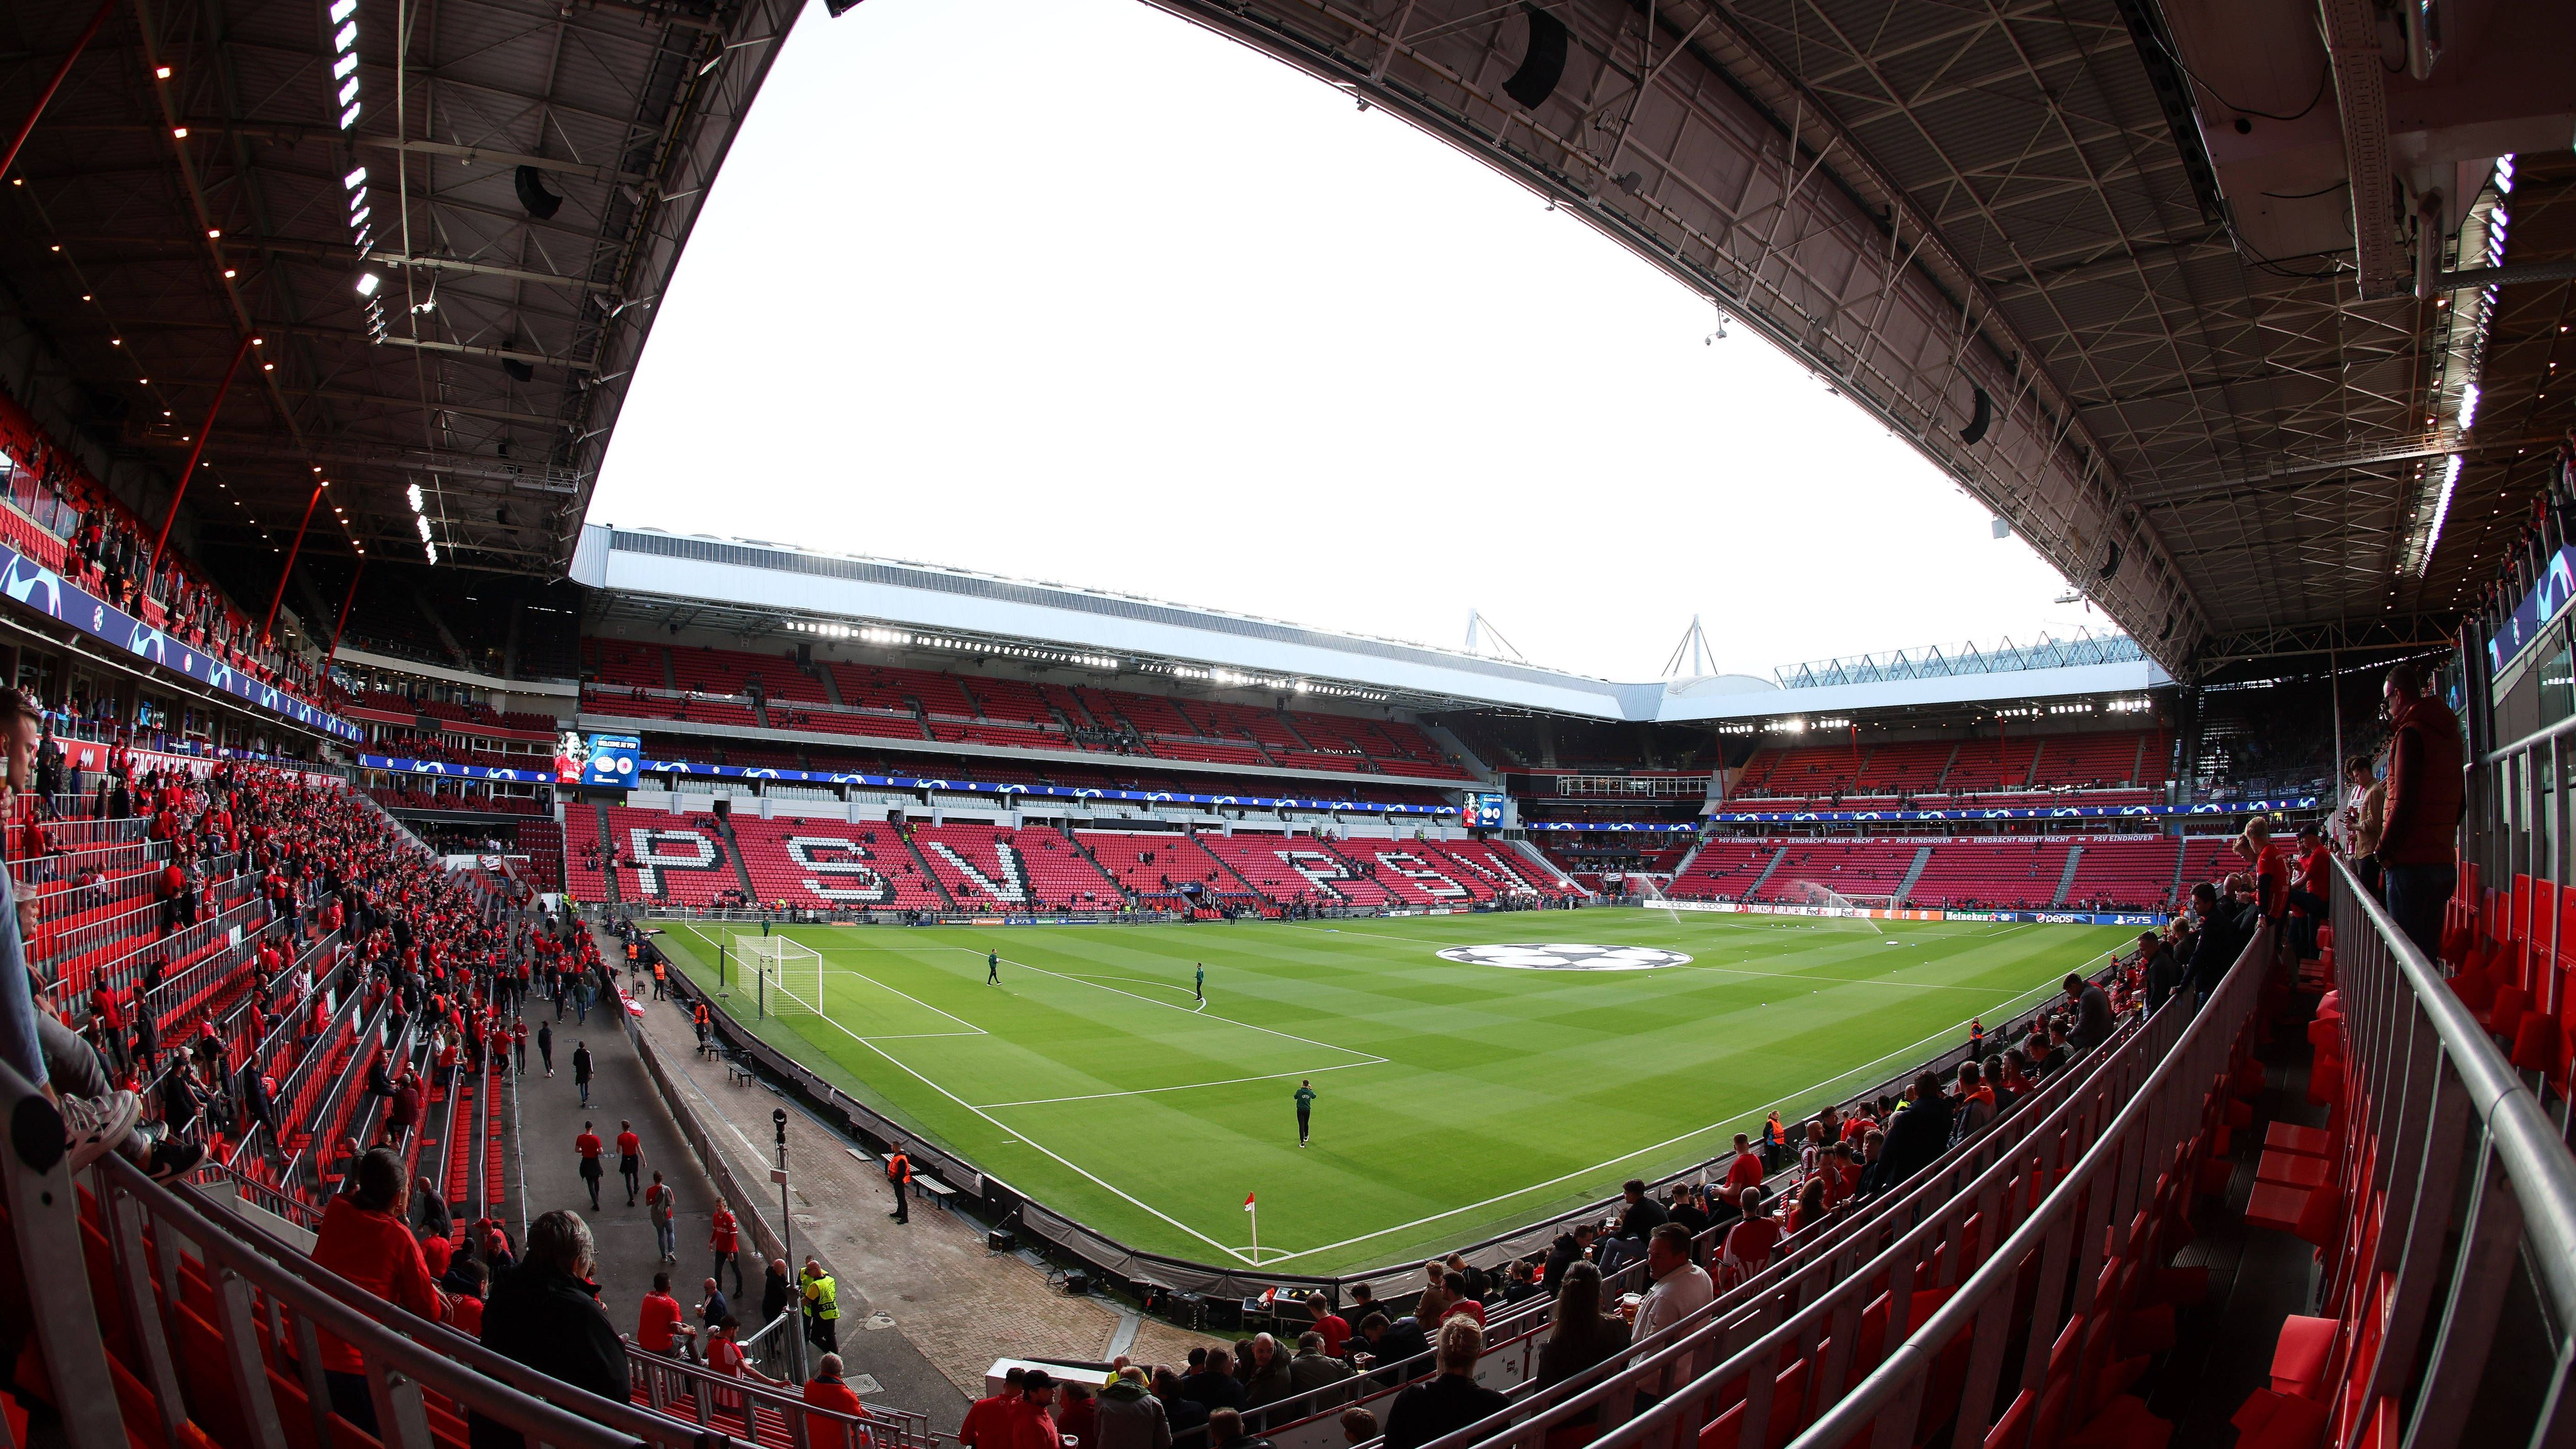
{"x":455,"y":771}
{"x":612,"y":762}
{"x":2545,"y":602}
{"x":47,"y":592}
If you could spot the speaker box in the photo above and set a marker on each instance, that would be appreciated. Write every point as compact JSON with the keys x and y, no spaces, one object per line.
{"x":998,"y":1240}
{"x":1543,"y":65}
{"x":1077,"y":1284}
{"x":533,"y":196}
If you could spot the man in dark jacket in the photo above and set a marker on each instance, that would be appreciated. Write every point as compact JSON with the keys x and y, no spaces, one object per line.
{"x":2092,"y":1013}
{"x":546,"y":1314}
{"x":2418,"y":855}
{"x":2163,"y":969}
{"x":1182,"y":1412}
{"x":1570,"y":1248}
{"x":1920,"y":1132}
{"x":2224,"y":930}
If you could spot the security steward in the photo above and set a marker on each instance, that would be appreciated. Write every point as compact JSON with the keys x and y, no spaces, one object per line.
{"x":822,"y":1307}
{"x":899,"y":1176}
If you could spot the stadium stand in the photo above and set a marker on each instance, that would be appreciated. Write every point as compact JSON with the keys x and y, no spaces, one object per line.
{"x":989,"y":866}
{"x":813,"y":863}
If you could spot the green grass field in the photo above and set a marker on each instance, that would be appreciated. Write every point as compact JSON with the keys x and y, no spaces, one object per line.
{"x":1455,"y":1100}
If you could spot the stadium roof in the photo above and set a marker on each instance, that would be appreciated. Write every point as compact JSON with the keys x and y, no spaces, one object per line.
{"x":2096,"y":259}
{"x":211,"y":171}
{"x":776,"y":594}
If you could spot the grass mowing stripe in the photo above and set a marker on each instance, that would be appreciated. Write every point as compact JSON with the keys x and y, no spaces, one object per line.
{"x":1491,"y":1096}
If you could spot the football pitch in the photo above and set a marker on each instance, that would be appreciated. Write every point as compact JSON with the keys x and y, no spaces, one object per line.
{"x":1455,"y":1098}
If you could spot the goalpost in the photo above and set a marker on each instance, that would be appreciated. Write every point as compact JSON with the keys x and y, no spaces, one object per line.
{"x":786,"y":976}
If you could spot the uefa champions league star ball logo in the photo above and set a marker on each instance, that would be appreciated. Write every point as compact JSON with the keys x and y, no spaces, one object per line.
{"x":1566,"y":957}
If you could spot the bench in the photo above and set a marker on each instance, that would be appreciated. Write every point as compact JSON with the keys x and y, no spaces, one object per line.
{"x":738,"y":1068}
{"x":923,"y":1184}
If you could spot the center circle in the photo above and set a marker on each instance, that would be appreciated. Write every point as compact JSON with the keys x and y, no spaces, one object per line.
{"x":1565,"y":957}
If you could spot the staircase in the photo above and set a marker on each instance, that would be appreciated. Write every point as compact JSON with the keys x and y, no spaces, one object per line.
{"x":1755,"y":889}
{"x":608,"y":847}
{"x":2066,"y":880}
{"x":1948,"y":765}
{"x":921,"y":862}
{"x":733,"y":850}
{"x":1548,"y":870}
{"x":1913,"y":873}
{"x":1227,"y":866}
{"x":2030,"y":778}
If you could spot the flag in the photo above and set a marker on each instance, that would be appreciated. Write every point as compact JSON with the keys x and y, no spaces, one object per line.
{"x":1247,"y":1202}
{"x":1269,"y":1296}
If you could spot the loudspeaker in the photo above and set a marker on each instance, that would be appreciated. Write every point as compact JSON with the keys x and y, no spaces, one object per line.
{"x":1544,"y":63}
{"x":519,"y":371}
{"x":998,"y":1241}
{"x":533,"y":196}
{"x":1077,"y":1284}
{"x":1985,"y":415}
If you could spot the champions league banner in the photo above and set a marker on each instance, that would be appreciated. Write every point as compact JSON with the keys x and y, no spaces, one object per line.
{"x":2045,"y":812}
{"x":895,"y":782}
{"x":40,"y":588}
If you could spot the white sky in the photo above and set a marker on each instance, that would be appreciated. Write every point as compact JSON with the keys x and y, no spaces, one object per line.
{"x":1073,"y":290}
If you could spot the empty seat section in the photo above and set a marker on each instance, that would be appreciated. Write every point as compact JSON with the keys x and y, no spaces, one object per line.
{"x":1293,"y":867}
{"x":2019,"y":874}
{"x":1724,"y":870}
{"x":1813,"y":868}
{"x":988,"y":866}
{"x":1415,"y":873}
{"x":2000,"y":764}
{"x":827,"y":864}
{"x":2129,"y":874}
{"x":1010,"y":701}
{"x":681,"y":859}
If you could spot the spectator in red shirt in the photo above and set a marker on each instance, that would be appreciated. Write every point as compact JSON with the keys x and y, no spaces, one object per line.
{"x":364,"y":1241}
{"x":725,"y":1239}
{"x":661,"y":1327}
{"x":630,"y":1160}
{"x":827,"y":1390}
{"x":587,"y":1145}
{"x":1745,"y":1168}
{"x":2418,"y":835}
{"x":1752,"y":1241}
{"x":1335,"y":1329}
{"x":725,"y":1356}
{"x":465,"y":1310}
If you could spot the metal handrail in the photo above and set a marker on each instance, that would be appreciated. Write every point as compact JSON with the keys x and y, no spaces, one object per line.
{"x":2426,"y":1082}
{"x":2128,"y":1152}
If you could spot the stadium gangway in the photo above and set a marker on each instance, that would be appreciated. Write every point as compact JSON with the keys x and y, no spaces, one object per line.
{"x":267,"y":1305}
{"x":1665,"y":1390}
{"x":1515,"y":1335}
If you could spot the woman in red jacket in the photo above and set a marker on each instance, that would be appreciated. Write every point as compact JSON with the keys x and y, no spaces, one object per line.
{"x":363,"y":1240}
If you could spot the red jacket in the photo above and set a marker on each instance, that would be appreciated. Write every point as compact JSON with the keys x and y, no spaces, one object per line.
{"x":837,"y":1396}
{"x":376,"y":1253}
{"x":2424,"y":787}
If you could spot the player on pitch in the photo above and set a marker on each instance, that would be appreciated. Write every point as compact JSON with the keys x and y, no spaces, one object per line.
{"x":1305,"y":1109}
{"x":1198,"y":985}
{"x":992,"y":968}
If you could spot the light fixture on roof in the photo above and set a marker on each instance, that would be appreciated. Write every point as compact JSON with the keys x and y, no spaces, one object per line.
{"x":368,"y":282}
{"x":160,"y":72}
{"x":178,"y":133}
{"x":412,"y":494}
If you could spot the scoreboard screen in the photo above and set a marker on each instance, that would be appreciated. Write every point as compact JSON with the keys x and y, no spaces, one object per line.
{"x":1482,"y":810}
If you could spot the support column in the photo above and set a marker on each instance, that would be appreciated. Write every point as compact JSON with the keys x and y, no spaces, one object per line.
{"x":279,"y":596}
{"x":199,"y":449}
{"x":27,"y":127}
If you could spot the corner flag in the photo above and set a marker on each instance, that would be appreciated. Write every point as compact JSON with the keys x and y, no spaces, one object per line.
{"x":1256,"y":1226}
{"x":1247,"y":1202}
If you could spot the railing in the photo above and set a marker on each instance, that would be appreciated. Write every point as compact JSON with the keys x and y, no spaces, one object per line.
{"x":2474,"y":1244}
{"x":1848,"y":1311}
{"x":255,"y":1310}
{"x":689,"y":1390}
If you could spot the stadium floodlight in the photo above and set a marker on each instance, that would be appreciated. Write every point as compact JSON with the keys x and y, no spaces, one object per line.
{"x":368,"y":282}
{"x":342,"y":10}
{"x":354,"y":179}
{"x":412,"y":494}
{"x":340,"y":68}
{"x":347,"y":38}
{"x":423,"y":520}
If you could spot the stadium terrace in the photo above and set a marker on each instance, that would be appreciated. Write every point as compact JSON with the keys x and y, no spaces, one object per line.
{"x":479,"y":974}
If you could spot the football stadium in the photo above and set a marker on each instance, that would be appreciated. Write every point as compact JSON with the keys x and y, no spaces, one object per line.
{"x":1060,"y":955}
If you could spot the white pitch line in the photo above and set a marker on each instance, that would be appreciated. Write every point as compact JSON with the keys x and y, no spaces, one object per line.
{"x":1613,"y":1162}
{"x":971,"y":1028}
{"x":1168,"y":1006}
{"x":1190,"y":1086}
{"x":1835,"y":980}
{"x":1027,"y":1141}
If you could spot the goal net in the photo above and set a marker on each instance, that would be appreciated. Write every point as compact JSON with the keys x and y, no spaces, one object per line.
{"x":785,"y":976}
